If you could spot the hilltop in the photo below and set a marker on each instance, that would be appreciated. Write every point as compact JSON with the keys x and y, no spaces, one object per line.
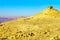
{"x":44,"y":25}
{"x":49,"y":11}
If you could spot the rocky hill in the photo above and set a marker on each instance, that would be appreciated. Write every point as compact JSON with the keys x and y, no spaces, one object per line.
{"x":44,"y":25}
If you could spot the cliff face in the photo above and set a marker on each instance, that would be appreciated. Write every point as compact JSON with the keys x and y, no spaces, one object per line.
{"x":45,"y":25}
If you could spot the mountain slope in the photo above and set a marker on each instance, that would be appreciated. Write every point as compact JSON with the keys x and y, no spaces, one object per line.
{"x":42,"y":26}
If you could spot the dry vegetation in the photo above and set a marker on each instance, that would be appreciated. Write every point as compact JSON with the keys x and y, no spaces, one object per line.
{"x":42,"y":26}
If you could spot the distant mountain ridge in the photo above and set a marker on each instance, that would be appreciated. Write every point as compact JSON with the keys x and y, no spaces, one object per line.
{"x":2,"y":19}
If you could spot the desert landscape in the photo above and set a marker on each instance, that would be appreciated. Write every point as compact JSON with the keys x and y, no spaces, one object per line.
{"x":44,"y":25}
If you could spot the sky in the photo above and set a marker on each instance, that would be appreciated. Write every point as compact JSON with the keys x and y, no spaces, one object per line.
{"x":25,"y":7}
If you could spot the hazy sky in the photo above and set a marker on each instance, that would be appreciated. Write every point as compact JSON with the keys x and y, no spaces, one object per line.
{"x":25,"y":7}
